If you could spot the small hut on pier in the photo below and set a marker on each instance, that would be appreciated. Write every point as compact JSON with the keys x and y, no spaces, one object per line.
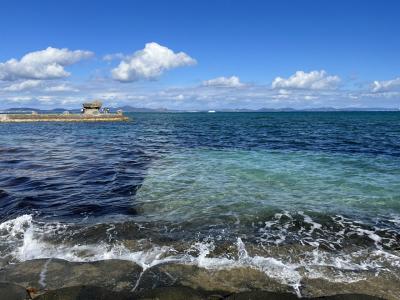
{"x":92,"y":108}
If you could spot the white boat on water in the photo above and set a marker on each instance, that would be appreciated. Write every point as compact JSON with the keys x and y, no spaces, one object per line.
{"x":211,"y":111}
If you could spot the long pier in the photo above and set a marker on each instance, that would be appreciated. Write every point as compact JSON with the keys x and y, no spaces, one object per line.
{"x":19,"y":118}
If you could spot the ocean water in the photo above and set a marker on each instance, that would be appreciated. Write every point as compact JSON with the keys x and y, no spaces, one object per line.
{"x":295,"y":195}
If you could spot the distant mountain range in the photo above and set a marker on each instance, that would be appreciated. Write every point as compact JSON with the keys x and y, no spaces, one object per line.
{"x":142,"y":109}
{"x":320,"y":109}
{"x":30,"y":109}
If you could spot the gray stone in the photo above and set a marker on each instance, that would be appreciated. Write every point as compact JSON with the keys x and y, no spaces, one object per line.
{"x":374,"y":287}
{"x":85,"y":293}
{"x":262,"y":295}
{"x":225,"y":281}
{"x":116,"y":275}
{"x":172,"y":293}
{"x":11,"y":291}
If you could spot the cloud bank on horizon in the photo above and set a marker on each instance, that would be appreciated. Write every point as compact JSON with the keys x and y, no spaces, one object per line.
{"x":40,"y":78}
{"x":222,"y":81}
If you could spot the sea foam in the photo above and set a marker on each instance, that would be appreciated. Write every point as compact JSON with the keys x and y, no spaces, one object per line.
{"x":25,"y":239}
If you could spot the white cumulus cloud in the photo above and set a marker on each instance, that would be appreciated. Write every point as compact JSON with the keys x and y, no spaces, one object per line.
{"x":150,"y":63}
{"x":44,"y":64}
{"x":18,"y":99}
{"x":180,"y":97}
{"x":314,"y":80}
{"x":232,"y":81}
{"x":386,"y":85}
{"x":61,"y":88}
{"x":23,"y":85}
{"x":114,"y":56}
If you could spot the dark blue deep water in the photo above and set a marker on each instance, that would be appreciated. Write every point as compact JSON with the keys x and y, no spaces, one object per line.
{"x":196,"y":182}
{"x":70,"y":170}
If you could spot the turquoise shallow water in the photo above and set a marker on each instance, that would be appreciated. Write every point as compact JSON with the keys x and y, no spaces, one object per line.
{"x":208,"y":184}
{"x":276,"y":197}
{"x":295,"y":195}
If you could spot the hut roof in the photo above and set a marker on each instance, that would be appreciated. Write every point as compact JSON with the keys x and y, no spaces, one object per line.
{"x":94,"y":104}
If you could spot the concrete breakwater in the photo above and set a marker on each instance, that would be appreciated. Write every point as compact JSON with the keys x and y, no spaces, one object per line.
{"x":91,"y":112}
{"x":17,"y":118}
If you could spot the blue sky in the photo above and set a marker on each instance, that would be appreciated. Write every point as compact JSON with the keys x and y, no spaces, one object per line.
{"x":200,"y":54}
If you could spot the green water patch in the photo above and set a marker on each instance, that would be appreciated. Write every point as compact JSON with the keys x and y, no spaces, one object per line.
{"x":213,"y":185}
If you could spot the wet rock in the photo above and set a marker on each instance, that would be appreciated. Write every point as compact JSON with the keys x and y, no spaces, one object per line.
{"x":85,"y":293}
{"x":11,"y":291}
{"x":103,"y":279}
{"x":349,"y":297}
{"x":227,"y":281}
{"x":172,"y":293}
{"x":377,"y":287}
{"x":176,"y":293}
{"x":262,"y":295}
{"x":92,"y":234}
{"x":116,"y":275}
{"x":4,"y":262}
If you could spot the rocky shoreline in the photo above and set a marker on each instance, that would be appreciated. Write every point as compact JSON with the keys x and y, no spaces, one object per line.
{"x":48,"y":279}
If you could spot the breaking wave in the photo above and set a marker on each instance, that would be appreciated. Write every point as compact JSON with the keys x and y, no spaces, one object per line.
{"x":23,"y":239}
